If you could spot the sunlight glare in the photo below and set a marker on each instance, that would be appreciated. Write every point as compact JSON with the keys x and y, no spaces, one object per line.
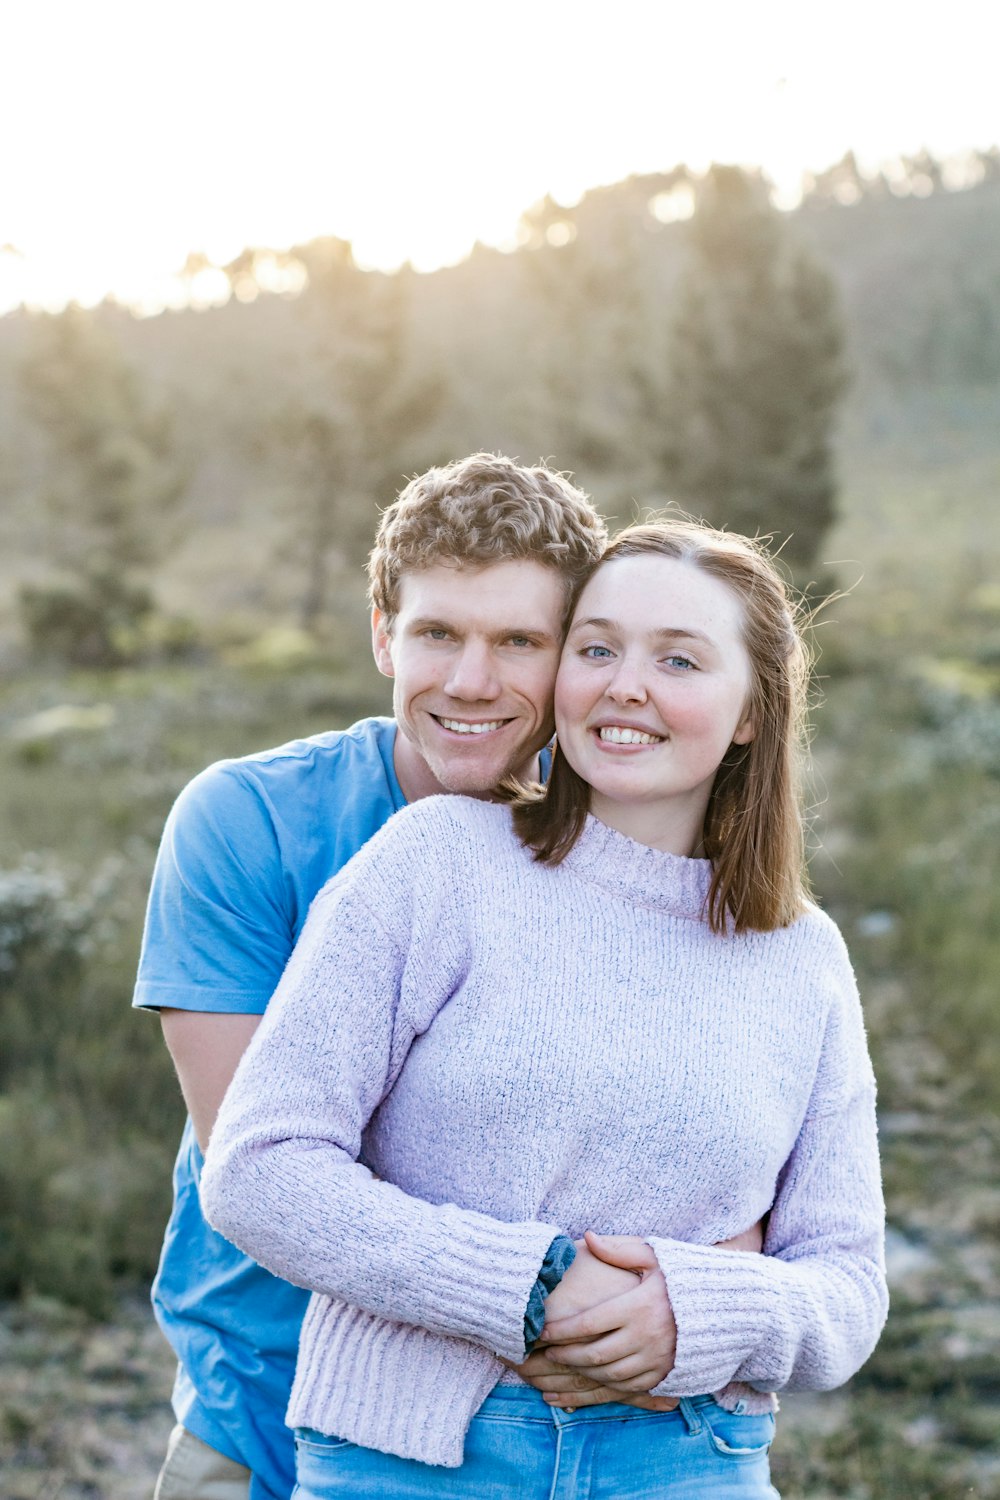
{"x":415,"y":132}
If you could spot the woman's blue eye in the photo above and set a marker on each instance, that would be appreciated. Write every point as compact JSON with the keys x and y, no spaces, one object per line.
{"x":596,"y":653}
{"x":680,"y":661}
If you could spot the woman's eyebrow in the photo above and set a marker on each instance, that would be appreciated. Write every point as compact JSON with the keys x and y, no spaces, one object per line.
{"x":595,"y":622}
{"x":680,"y":632}
{"x":661,"y":633}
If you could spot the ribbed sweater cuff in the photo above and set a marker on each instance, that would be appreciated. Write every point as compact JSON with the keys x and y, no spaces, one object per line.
{"x":479,"y":1282}
{"x":448,"y":1269}
{"x":723,"y":1304}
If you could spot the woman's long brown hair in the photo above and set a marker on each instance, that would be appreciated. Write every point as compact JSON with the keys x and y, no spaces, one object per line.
{"x":753,"y":831}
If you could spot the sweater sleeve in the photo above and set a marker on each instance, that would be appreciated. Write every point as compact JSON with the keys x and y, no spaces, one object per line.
{"x":805,"y":1314}
{"x":281,"y":1176}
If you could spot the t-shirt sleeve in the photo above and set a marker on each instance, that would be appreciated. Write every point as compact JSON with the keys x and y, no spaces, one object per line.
{"x":218,"y":929}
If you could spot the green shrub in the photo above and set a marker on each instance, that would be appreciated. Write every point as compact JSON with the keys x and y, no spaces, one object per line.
{"x":84,"y":1153}
{"x":88,"y":622}
{"x":916,"y":786}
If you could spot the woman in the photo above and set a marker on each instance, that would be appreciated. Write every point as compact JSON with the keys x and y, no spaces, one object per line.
{"x":609,"y":1009}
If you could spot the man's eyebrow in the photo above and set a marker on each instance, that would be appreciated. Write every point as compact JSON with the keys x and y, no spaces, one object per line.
{"x":429,"y":622}
{"x":435,"y":622}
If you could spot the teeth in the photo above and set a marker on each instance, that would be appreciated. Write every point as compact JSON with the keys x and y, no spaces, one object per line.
{"x":615,"y":735}
{"x":461,"y":727}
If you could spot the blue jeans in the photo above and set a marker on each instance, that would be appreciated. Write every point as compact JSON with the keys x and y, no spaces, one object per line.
{"x":518,"y":1448}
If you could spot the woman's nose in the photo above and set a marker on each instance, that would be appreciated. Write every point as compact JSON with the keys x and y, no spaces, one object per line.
{"x":627,"y":686}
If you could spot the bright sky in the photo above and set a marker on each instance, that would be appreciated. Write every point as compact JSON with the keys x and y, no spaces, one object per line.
{"x":135,"y":131}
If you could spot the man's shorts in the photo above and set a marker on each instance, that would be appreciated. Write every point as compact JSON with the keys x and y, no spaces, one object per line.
{"x":194,"y":1471}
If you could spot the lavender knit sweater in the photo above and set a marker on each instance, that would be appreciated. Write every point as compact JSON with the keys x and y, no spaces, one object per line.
{"x":516,"y":1051}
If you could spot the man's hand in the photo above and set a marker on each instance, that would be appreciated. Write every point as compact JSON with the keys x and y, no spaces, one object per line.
{"x":628,"y":1342}
{"x":206,"y":1047}
{"x":751,"y":1239}
{"x":569,"y":1388}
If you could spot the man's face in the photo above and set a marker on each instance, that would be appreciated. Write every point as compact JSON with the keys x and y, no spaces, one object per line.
{"x":473,"y":653}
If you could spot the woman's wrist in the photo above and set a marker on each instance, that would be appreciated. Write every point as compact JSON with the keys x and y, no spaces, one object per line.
{"x":558,"y":1259}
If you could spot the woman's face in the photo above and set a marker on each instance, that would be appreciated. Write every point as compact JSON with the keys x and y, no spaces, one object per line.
{"x":653,"y":688}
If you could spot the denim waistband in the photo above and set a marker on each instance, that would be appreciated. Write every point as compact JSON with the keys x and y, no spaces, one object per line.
{"x":524,"y":1403}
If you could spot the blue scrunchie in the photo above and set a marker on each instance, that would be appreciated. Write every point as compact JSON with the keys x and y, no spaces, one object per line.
{"x":558,"y":1259}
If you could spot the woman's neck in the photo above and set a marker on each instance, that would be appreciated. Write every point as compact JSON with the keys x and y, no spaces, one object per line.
{"x":674,"y":827}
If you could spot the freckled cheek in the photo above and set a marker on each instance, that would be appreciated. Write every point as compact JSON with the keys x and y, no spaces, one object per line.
{"x":700,"y":723}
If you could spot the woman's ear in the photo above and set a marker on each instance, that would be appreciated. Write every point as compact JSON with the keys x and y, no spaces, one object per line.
{"x":745,"y":732}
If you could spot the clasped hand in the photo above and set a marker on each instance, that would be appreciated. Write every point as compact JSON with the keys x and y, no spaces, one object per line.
{"x":609,"y":1331}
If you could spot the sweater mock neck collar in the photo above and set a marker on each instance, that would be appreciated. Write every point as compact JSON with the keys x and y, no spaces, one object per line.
{"x":648,"y":877}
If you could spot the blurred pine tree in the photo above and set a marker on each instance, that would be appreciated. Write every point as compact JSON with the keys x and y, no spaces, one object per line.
{"x":354,"y":433}
{"x":112,"y":491}
{"x":756,"y":371}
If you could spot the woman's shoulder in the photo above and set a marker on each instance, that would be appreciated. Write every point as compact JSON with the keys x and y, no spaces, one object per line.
{"x":430,"y":838}
{"x":813,"y":946}
{"x":449,"y":815}
{"x":816,"y":926}
{"x":425,"y":859}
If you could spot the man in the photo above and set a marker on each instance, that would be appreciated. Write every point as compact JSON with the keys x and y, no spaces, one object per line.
{"x":471,"y":576}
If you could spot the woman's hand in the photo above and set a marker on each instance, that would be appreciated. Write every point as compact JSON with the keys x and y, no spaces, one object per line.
{"x":588,"y":1282}
{"x":627,"y":1342}
{"x":559,"y":1382}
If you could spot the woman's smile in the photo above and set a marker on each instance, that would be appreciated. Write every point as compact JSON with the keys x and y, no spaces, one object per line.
{"x":627,"y":734}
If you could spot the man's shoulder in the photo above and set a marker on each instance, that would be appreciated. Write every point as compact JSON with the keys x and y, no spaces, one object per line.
{"x":359,"y":751}
{"x":367,"y":741}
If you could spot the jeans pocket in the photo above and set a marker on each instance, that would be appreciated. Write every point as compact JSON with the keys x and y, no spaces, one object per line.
{"x":738,"y":1437}
{"x":319,"y":1443}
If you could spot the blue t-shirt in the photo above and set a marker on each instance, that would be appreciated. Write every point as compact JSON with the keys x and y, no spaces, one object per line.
{"x":245,"y":849}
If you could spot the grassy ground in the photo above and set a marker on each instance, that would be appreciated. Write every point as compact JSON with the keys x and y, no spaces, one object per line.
{"x":84,"y":1411}
{"x":908,"y":753}
{"x":82,"y":1402}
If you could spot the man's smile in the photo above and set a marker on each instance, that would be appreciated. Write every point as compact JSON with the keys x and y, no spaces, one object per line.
{"x":469,"y":726}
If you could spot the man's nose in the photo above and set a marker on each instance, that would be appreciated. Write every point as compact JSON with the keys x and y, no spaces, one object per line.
{"x":473,"y":675}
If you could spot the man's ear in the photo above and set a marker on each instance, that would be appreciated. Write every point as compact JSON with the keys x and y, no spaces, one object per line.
{"x":381,"y":643}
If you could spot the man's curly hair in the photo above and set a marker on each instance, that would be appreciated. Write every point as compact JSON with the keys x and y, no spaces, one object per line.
{"x":480,"y":510}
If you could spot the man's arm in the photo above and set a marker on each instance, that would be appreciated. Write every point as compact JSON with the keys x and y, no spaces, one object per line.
{"x":206,"y":1047}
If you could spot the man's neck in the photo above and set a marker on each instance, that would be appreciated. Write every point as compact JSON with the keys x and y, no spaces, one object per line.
{"x":416,"y":779}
